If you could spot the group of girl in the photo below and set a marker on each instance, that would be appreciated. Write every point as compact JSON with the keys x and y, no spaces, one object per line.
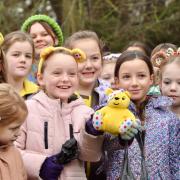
{"x":57,"y":139}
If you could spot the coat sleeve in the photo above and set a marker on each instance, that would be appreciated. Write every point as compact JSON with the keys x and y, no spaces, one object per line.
{"x":174,"y":148}
{"x":90,"y":146}
{"x":32,"y":160}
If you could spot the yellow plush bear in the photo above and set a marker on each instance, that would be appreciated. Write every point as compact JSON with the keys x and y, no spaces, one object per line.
{"x":115,"y":117}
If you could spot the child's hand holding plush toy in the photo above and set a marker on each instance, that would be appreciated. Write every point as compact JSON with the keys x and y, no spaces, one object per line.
{"x":115,"y":118}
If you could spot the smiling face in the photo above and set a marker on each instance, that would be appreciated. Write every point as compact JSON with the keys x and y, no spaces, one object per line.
{"x":89,"y":70}
{"x":41,"y":37}
{"x":18,"y":60}
{"x":59,"y":79}
{"x":134,"y":76}
{"x":170,"y":82}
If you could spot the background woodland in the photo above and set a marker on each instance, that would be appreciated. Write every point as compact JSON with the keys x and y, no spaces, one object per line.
{"x":117,"y":22}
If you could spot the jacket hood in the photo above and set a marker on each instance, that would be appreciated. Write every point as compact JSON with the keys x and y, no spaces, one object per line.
{"x":161,"y":102}
{"x":157,"y":102}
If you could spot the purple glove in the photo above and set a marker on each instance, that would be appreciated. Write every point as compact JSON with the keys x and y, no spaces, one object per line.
{"x":50,"y":169}
{"x":91,"y":130}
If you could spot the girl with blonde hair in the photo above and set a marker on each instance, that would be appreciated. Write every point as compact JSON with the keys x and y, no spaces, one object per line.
{"x":54,"y":139}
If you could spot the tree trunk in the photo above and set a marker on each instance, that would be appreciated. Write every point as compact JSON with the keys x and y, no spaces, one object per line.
{"x":57,"y":6}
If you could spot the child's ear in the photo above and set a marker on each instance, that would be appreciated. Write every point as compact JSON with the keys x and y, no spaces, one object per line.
{"x":40,"y":79}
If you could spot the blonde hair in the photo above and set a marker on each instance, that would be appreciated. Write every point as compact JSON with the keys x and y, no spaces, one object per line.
{"x":173,"y":59}
{"x":12,"y":106}
{"x":17,"y":36}
{"x":84,"y":35}
{"x":77,"y":54}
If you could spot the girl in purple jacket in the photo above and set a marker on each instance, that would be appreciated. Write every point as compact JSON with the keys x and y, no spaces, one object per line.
{"x":161,"y":128}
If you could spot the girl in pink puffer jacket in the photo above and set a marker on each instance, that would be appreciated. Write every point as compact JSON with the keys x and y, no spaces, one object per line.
{"x":50,"y":149}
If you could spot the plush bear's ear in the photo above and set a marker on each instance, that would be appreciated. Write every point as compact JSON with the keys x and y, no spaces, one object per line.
{"x":108,"y":91}
{"x":127,"y":93}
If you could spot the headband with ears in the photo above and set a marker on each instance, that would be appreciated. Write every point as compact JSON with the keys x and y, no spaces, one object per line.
{"x":164,"y":57}
{"x":78,"y":55}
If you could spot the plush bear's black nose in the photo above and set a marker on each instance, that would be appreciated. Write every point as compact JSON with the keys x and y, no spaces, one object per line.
{"x":116,"y":98}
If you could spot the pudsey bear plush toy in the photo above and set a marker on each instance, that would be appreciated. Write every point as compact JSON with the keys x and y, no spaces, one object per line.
{"x":115,"y":118}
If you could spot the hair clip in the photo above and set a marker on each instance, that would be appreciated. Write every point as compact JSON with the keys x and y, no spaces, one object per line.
{"x":78,"y":55}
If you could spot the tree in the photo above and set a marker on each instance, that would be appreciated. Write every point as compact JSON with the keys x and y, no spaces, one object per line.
{"x":116,"y":21}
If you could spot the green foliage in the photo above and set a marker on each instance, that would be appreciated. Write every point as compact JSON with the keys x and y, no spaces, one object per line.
{"x":116,"y":21}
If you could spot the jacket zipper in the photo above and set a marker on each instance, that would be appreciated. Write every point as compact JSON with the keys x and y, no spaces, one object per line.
{"x":46,"y":135}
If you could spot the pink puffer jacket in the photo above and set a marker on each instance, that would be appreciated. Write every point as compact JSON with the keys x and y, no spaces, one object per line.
{"x":51,"y":118}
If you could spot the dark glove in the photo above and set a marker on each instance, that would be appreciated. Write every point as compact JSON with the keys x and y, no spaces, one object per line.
{"x":51,"y":169}
{"x":91,"y":130}
{"x":69,"y":151}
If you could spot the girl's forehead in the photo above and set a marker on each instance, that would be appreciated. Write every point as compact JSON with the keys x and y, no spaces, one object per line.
{"x":59,"y":55}
{"x":20,"y":45}
{"x":134,"y":65}
{"x":37,"y":27}
{"x":60,"y":58}
{"x":86,"y":42}
{"x":171,"y":68}
{"x":35,"y":24}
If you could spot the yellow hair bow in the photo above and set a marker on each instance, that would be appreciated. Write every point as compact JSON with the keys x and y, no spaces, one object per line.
{"x":78,"y":55}
{"x":1,"y":38}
